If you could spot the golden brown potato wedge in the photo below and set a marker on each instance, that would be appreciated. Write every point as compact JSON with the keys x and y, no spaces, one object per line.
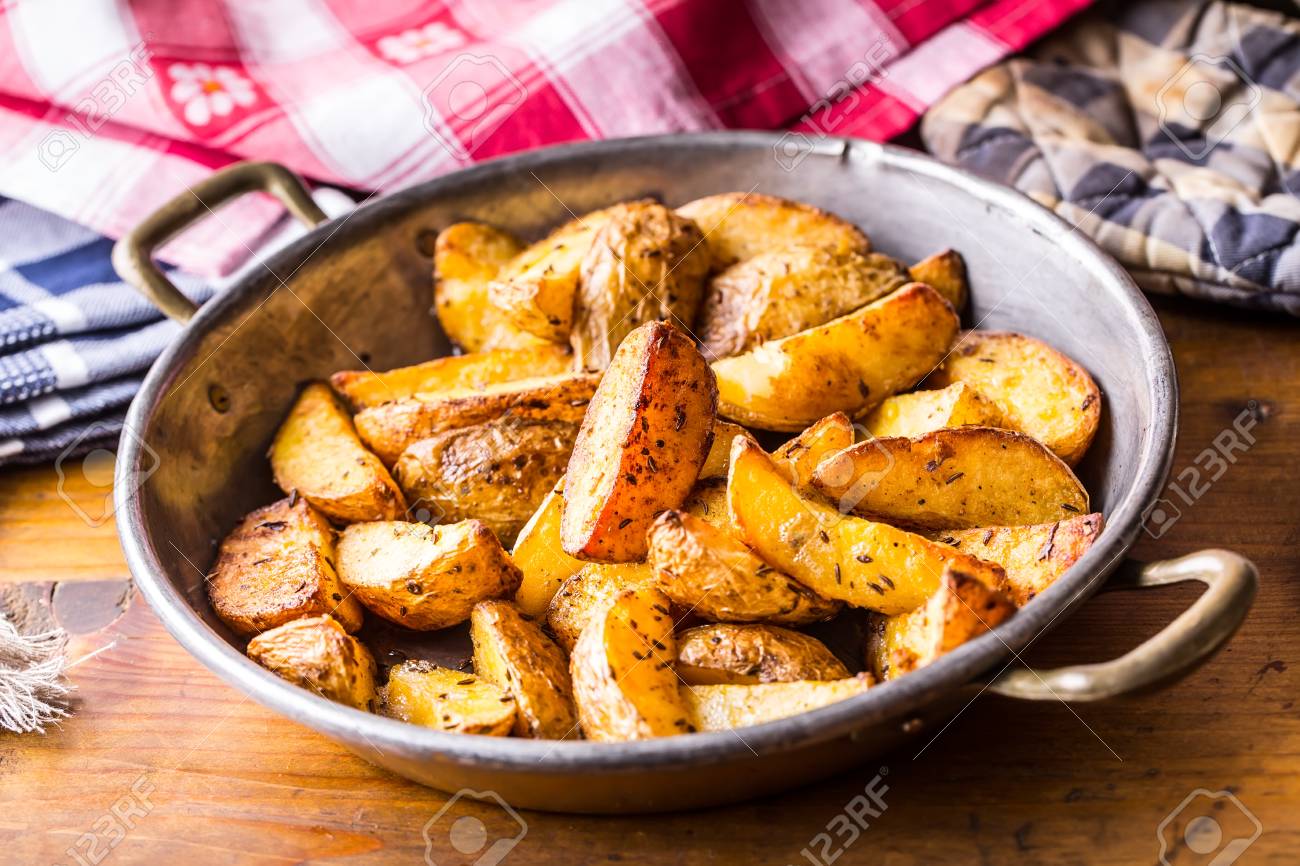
{"x":466,"y":257}
{"x":317,"y":452}
{"x":422,"y":693}
{"x":719,"y":457}
{"x":424,"y":577}
{"x":511,"y":651}
{"x":870,"y":565}
{"x":953,"y":479}
{"x":945,"y":272}
{"x":799,"y":457}
{"x":710,"y":573}
{"x":646,"y":264}
{"x":726,"y":707}
{"x":317,"y":654}
{"x":847,"y":365}
{"x":277,"y":565}
{"x":365,"y":388}
{"x":754,"y":653}
{"x":641,"y":446}
{"x":787,"y":290}
{"x":622,"y":668}
{"x":580,"y":595}
{"x":1032,"y":556}
{"x":540,"y":556}
{"x":391,"y":428}
{"x":962,"y":608}
{"x":957,"y":405}
{"x":740,"y":225}
{"x":1037,"y":390}
{"x":708,"y":501}
{"x":498,"y":472}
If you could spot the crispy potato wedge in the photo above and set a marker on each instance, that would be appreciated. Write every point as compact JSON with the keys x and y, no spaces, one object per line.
{"x":847,"y":365}
{"x":498,"y":472}
{"x":1037,"y":390}
{"x":317,"y":452}
{"x":719,"y":457}
{"x":641,"y":446}
{"x":422,"y":693}
{"x":424,"y":577}
{"x":871,"y":565}
{"x":799,"y":457}
{"x":646,"y":264}
{"x":511,"y":651}
{"x":708,"y":502}
{"x":726,"y":707}
{"x":622,"y":669}
{"x":277,"y":565}
{"x":1032,"y":556}
{"x":317,"y":654}
{"x":365,"y":388}
{"x":709,"y":572}
{"x":466,"y":258}
{"x":391,"y":428}
{"x":787,"y":290}
{"x":740,"y":225}
{"x":962,"y":608}
{"x":754,"y":653}
{"x":540,"y":556}
{"x":957,"y":405}
{"x":953,"y":479}
{"x":945,"y":272}
{"x":580,"y":595}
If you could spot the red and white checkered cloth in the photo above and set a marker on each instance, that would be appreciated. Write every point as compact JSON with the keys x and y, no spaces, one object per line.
{"x":110,"y":107}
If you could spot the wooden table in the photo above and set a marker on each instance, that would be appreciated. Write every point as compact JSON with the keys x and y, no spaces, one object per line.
{"x":162,"y":763}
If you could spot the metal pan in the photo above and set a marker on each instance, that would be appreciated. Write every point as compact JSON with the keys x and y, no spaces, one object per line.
{"x":357,"y":289}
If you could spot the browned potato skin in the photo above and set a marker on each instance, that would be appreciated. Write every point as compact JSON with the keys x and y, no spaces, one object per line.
{"x":798,"y":458}
{"x":580,"y":595}
{"x":786,"y":290}
{"x":317,"y":654}
{"x":730,"y":706}
{"x":747,"y":654}
{"x":424,"y":694}
{"x":466,"y":257}
{"x":646,"y":264}
{"x":741,"y":225}
{"x":391,"y":428}
{"x":1032,"y":556}
{"x":945,"y":272}
{"x":317,"y":453}
{"x":641,"y":446}
{"x":719,"y":457}
{"x":540,"y":557}
{"x":498,"y":472}
{"x":424,"y":577}
{"x":954,"y":478}
{"x":709,"y":572}
{"x":277,"y":565}
{"x":511,"y":651}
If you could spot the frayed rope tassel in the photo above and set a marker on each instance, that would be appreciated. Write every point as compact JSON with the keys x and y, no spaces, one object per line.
{"x":33,"y":692}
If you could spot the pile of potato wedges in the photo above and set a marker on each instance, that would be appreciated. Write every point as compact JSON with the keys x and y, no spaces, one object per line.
{"x":603,"y":483}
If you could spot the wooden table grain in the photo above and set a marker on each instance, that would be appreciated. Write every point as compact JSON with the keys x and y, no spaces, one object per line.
{"x":163,"y":763}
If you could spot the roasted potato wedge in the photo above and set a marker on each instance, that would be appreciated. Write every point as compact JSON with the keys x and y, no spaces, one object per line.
{"x":277,"y":565}
{"x":847,"y":365}
{"x":365,"y":388}
{"x":708,"y":501}
{"x":422,"y":693}
{"x":424,"y":577}
{"x":709,"y":572}
{"x":466,"y":258}
{"x":540,"y":556}
{"x":317,"y":654}
{"x":741,"y":225}
{"x":787,"y":290}
{"x":754,"y":653}
{"x":641,"y":446}
{"x":945,"y":272}
{"x":962,"y":608}
{"x":1037,"y":390}
{"x":511,"y":651}
{"x":799,"y":457}
{"x":622,"y":668}
{"x":719,"y":457}
{"x":317,"y":453}
{"x":953,"y":479}
{"x":391,"y":428}
{"x":646,"y":264}
{"x":497,"y":472}
{"x":957,"y":405}
{"x":870,"y":565}
{"x":1032,"y":556}
{"x":726,"y":707}
{"x":580,"y":595}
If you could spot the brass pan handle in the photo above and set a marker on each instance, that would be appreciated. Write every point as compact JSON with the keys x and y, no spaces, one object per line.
{"x":1179,"y":648}
{"x":133,"y":254}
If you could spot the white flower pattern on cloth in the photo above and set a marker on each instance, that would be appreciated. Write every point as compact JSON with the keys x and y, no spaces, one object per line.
{"x":208,"y":91}
{"x":411,"y":45}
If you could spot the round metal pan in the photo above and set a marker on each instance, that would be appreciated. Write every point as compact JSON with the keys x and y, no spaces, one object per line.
{"x":357,"y":290}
